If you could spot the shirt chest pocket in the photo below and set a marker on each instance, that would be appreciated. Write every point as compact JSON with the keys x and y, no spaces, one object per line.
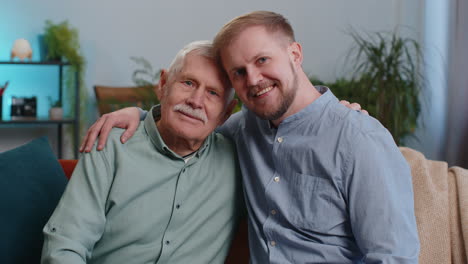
{"x":315,"y":203}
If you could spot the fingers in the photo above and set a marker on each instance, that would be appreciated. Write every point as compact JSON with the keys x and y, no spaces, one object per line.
{"x":83,"y":142}
{"x":354,"y":106}
{"x":104,"y":133}
{"x":344,"y":102}
{"x":91,"y":135}
{"x":129,"y":132}
{"x":128,"y":118}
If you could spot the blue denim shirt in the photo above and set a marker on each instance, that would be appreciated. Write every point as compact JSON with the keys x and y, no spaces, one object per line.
{"x":328,"y":185}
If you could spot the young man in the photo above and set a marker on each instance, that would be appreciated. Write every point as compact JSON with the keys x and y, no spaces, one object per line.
{"x":324,"y":184}
{"x":172,"y":194}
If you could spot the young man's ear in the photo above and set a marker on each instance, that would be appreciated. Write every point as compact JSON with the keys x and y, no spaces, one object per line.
{"x":162,"y":82}
{"x":295,"y":52}
{"x":228,"y":111}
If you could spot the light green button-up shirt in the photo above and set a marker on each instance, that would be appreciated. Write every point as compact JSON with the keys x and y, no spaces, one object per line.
{"x":139,"y":202}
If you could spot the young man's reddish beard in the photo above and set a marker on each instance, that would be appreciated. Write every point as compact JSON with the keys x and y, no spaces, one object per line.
{"x":284,"y":104}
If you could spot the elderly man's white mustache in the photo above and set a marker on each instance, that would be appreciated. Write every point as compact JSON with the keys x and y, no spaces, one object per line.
{"x":188,"y":110}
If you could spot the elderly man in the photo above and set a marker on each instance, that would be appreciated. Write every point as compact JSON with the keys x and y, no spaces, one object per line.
{"x":171,"y":194}
{"x":323,"y":184}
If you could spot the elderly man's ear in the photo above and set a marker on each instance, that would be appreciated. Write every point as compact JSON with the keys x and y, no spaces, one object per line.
{"x":159,"y":88}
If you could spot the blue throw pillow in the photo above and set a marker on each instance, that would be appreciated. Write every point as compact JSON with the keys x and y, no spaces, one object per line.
{"x":31,"y":184}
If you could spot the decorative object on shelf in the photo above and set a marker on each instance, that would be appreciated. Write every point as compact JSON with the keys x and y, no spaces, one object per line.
{"x":386,"y":80}
{"x":55,"y":110}
{"x":2,"y":90}
{"x":21,"y":49}
{"x":23,"y":107}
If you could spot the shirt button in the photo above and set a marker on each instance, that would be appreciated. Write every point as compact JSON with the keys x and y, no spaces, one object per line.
{"x":167,"y":242}
{"x":273,"y":243}
{"x":280,"y":139}
{"x":273,"y":212}
{"x":276,"y":179}
{"x":177,"y":206}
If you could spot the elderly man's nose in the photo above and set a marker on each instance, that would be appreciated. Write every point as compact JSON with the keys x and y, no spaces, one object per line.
{"x":196,"y":98}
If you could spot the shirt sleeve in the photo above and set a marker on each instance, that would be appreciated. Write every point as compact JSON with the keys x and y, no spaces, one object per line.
{"x":79,"y":220}
{"x":230,"y":127}
{"x":143,"y":113}
{"x":380,"y":196}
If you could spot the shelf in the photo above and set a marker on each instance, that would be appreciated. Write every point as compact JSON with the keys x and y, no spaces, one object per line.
{"x":44,"y":120}
{"x":38,"y":120}
{"x":35,"y":62}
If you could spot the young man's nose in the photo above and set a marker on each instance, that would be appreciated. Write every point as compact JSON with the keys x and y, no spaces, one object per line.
{"x":253,"y":77}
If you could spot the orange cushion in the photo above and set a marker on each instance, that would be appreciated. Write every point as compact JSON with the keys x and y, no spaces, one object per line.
{"x":68,"y":166}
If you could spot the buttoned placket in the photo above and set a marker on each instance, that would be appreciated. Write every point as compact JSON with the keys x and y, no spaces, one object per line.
{"x":272,"y":211}
{"x":177,"y":207}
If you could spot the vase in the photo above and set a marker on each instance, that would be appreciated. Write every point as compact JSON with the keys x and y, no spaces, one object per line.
{"x":56,"y":113}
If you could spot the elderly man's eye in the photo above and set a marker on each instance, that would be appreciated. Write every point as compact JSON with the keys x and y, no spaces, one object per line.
{"x":188,"y":83}
{"x":211,"y":92}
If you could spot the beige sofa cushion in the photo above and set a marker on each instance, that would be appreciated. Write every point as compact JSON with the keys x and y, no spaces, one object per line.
{"x":441,"y":208}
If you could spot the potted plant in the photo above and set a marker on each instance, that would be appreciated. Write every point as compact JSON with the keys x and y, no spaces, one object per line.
{"x":386,"y":80}
{"x":55,"y":110}
{"x":61,"y":41}
{"x":62,"y":44}
{"x":146,"y":75}
{"x":388,"y":74}
{"x":147,"y":78}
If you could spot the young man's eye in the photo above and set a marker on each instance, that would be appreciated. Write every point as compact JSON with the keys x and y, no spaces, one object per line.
{"x":239,"y":72}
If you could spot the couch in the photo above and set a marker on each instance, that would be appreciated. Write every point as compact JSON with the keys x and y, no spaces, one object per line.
{"x":32,"y":181}
{"x":441,"y":209}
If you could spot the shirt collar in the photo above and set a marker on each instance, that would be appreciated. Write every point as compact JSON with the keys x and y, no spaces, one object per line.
{"x":312,"y":111}
{"x":315,"y":109}
{"x":152,"y":130}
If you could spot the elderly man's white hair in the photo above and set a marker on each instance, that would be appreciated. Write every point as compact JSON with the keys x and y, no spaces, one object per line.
{"x":202,"y":48}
